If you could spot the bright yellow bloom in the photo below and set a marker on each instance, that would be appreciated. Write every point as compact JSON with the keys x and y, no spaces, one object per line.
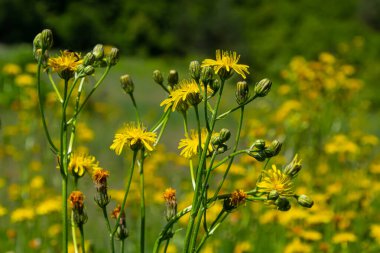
{"x":22,"y":214}
{"x":24,"y":80}
{"x":296,"y":246}
{"x":80,"y":163}
{"x":11,"y":69}
{"x":49,"y":206}
{"x":66,"y":64}
{"x":37,"y":182}
{"x":31,"y":68}
{"x":3,"y":211}
{"x":190,"y":144}
{"x":226,"y":60}
{"x":185,"y":93}
{"x":275,"y":179}
{"x":135,"y":137}
{"x":344,"y":237}
{"x":375,"y":232}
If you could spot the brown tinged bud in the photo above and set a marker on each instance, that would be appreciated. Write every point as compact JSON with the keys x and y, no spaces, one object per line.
{"x":46,"y":39}
{"x":122,"y":231}
{"x":195,"y":70}
{"x":114,"y":56}
{"x":236,"y":199}
{"x":273,"y":149}
{"x":98,"y":51}
{"x":157,"y":77}
{"x":242,"y":92}
{"x":263,"y":87}
{"x":99,"y":177}
{"x":214,"y":85}
{"x":207,"y":75}
{"x":127,"y":84}
{"x":305,"y":201}
{"x":76,"y":199}
{"x":172,"y":78}
{"x":293,"y":167}
{"x":171,"y":203}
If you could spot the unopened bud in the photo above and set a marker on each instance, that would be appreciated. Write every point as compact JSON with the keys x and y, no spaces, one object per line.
{"x":46,"y":39}
{"x":114,"y":56}
{"x":273,"y":195}
{"x":214,"y":85}
{"x":98,"y":51}
{"x":37,"y":43}
{"x":89,"y":70}
{"x":88,"y":59}
{"x":172,"y":78}
{"x":258,"y":144}
{"x":293,"y":167}
{"x":242,"y":92}
{"x":157,"y":77}
{"x":127,"y":83}
{"x":273,"y":149}
{"x":195,"y":70}
{"x":305,"y":201}
{"x":259,"y":156}
{"x":263,"y":87}
{"x":207,"y":74}
{"x":224,"y":135}
{"x":283,"y":204}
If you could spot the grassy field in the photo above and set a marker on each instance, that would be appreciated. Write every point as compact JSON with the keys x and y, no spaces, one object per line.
{"x":316,"y":107}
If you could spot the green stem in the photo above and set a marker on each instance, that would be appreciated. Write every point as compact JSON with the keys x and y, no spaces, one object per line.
{"x":122,"y":246}
{"x":73,"y":233}
{"x":55,"y":87}
{"x":161,"y":121}
{"x":205,"y":108}
{"x":142,"y":203}
{"x":64,"y":215}
{"x":82,"y":239}
{"x":186,"y":129}
{"x":234,"y":150}
{"x":74,"y":122}
{"x":221,"y":162}
{"x":221,"y":116}
{"x":135,"y":106}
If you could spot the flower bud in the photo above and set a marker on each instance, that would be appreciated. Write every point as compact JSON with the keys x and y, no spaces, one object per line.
{"x":157,"y":77}
{"x":225,"y":74}
{"x":98,"y":51}
{"x":224,"y":135}
{"x":194,"y":98}
{"x":127,"y":84}
{"x":242,"y":92}
{"x":171,"y":203}
{"x":76,"y":199}
{"x":293,"y":167}
{"x":305,"y":201}
{"x":263,"y":87}
{"x":46,"y":39}
{"x":37,"y":43}
{"x":114,"y":56}
{"x":283,"y":204}
{"x":258,"y":144}
{"x":195,"y":70}
{"x":88,"y":59}
{"x":273,"y":149}
{"x":214,"y":85}
{"x":273,"y":195}
{"x":172,"y":78}
{"x":207,"y":74}
{"x":259,"y":156}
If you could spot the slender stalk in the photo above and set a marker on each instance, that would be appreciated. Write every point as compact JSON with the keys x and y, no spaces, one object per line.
{"x":221,"y":116}
{"x":186,"y":129}
{"x":74,"y":122}
{"x":142,"y":203}
{"x":122,"y":246}
{"x":135,"y":106}
{"x":55,"y":87}
{"x":82,"y":239}
{"x":205,"y":108}
{"x":221,"y":162}
{"x":73,"y":233}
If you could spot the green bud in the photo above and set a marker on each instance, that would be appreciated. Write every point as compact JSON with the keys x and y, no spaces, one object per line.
{"x":37,"y":43}
{"x":171,"y":209}
{"x":293,"y":167}
{"x":224,"y":74}
{"x":214,"y":85}
{"x":89,"y":70}
{"x":259,"y":156}
{"x":114,"y":56}
{"x":273,"y":149}
{"x":283,"y":204}
{"x":195,"y":70}
{"x":194,"y":98}
{"x":157,"y":77}
{"x":127,"y":84}
{"x":305,"y":201}
{"x":263,"y":87}
{"x":242,"y":92}
{"x":258,"y":144}
{"x":98,"y":51}
{"x":273,"y":195}
{"x":88,"y":59}
{"x":46,"y":39}
{"x":172,"y":78}
{"x":207,"y":75}
{"x":224,"y":135}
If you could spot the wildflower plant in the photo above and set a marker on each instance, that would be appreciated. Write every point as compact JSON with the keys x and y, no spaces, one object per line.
{"x":204,"y":146}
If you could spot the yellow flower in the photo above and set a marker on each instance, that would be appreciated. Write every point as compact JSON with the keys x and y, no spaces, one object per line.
{"x":11,"y":69}
{"x":185,"y":93}
{"x":296,"y":246}
{"x":275,"y":179}
{"x":228,"y":61}
{"x":24,"y":80}
{"x":49,"y":206}
{"x":22,"y":214}
{"x":344,"y":237}
{"x":190,"y":144}
{"x":66,"y":64}
{"x":31,"y":68}
{"x":37,"y":182}
{"x":80,"y":163}
{"x":135,"y":137}
{"x":375,"y":232}
{"x":3,"y":211}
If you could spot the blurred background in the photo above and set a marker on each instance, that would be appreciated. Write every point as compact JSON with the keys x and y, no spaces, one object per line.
{"x":322,"y":56}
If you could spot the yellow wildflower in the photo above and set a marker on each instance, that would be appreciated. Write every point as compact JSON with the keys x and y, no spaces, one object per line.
{"x":31,"y":68}
{"x":22,"y":214}
{"x":344,"y":237}
{"x":3,"y":211}
{"x":11,"y":69}
{"x":66,"y":64}
{"x":54,"y":230}
{"x":37,"y":182}
{"x":296,"y":246}
{"x":50,"y":205}
{"x":275,"y":180}
{"x":190,"y":144}
{"x":375,"y":232}
{"x":80,"y":163}
{"x":227,"y":61}
{"x":135,"y":137}
{"x":24,"y":80}
{"x":242,"y":247}
{"x":185,"y":93}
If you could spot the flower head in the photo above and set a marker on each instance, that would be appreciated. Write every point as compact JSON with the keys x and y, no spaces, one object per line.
{"x":275,"y":180}
{"x":99,"y":176}
{"x":169,"y":194}
{"x":226,"y":60}
{"x":76,"y":199}
{"x":190,"y":144}
{"x":171,"y":203}
{"x":135,"y":137}
{"x":66,"y":64}
{"x":80,"y":163}
{"x":185,"y":93}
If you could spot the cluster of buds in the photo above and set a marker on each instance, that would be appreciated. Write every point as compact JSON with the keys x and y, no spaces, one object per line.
{"x":218,"y":141}
{"x":236,"y":199}
{"x":76,"y":199}
{"x":207,"y":77}
{"x":260,"y":151}
{"x":171,"y":203}
{"x":99,"y":178}
{"x":41,"y":44}
{"x":122,"y":231}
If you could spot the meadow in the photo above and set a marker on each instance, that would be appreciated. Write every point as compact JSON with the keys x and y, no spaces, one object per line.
{"x":317,"y":108}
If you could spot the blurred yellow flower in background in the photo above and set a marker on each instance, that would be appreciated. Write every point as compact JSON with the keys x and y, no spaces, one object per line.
{"x":11,"y":69}
{"x":22,"y":214}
